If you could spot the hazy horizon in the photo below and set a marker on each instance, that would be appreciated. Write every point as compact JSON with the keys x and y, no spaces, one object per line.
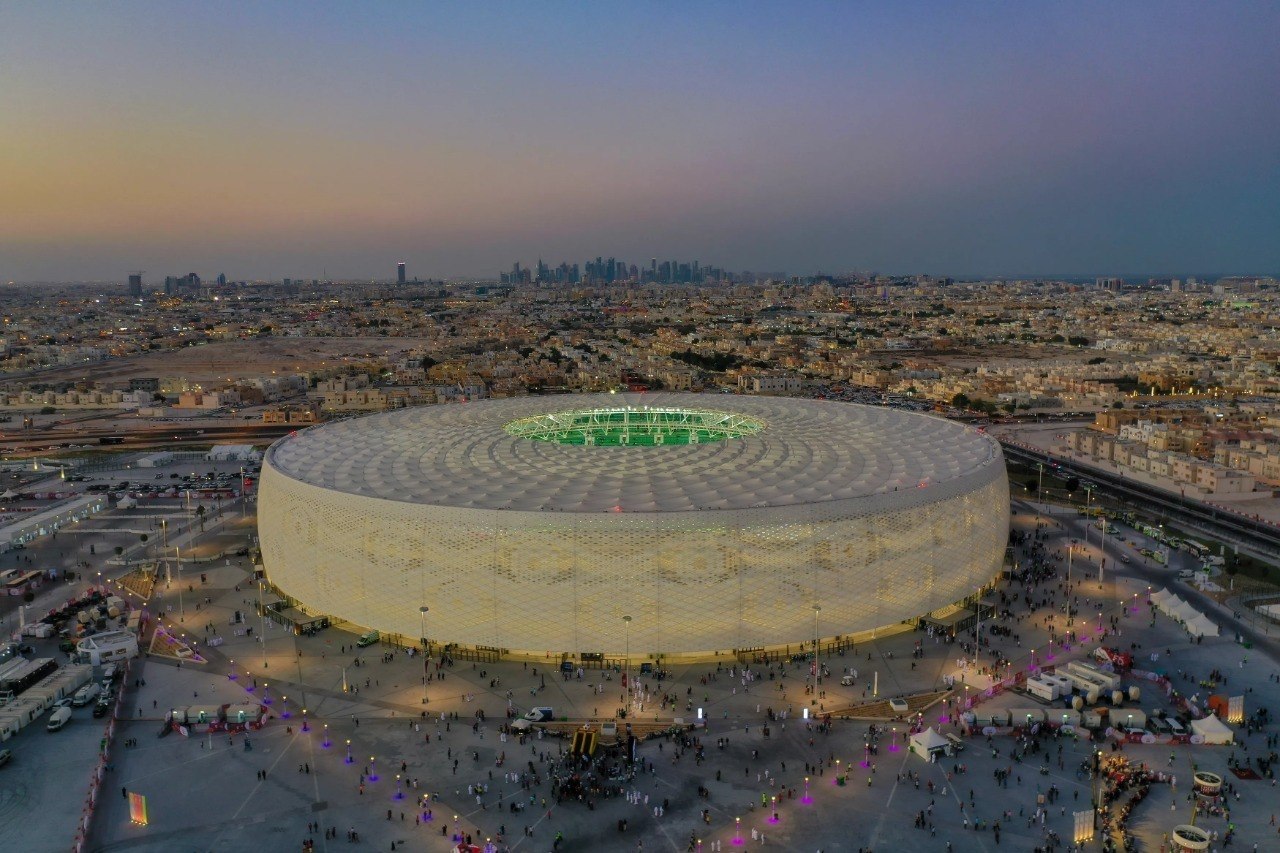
{"x":315,"y":139}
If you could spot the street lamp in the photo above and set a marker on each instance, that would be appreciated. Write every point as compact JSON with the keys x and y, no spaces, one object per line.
{"x":426,"y":659}
{"x":817,"y":667}
{"x":626,"y":663}
{"x":1088,"y":513}
{"x":1039,"y":498}
{"x":262,"y":612}
{"x":177,"y":558}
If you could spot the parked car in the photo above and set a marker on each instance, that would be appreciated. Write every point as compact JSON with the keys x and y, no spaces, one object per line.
{"x":367,"y":639}
{"x":5,"y":757}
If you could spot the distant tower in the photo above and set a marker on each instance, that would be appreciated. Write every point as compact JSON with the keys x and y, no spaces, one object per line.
{"x":400,"y":272}
{"x":135,"y":284}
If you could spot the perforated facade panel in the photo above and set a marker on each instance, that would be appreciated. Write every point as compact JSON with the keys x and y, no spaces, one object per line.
{"x":693,"y":580}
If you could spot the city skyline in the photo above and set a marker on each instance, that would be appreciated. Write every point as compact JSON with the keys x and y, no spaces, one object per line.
{"x":288,"y":140}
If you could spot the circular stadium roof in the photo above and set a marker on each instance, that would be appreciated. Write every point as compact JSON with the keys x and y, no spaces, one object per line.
{"x":486,"y":455}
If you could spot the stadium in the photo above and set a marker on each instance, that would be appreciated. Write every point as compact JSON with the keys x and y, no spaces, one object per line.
{"x":638,"y":524}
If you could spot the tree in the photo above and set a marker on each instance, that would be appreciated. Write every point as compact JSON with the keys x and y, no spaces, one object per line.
{"x":200,"y":511}
{"x":961,"y":401}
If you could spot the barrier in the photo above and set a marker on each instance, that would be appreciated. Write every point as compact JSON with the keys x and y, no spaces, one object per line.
{"x":99,"y":772}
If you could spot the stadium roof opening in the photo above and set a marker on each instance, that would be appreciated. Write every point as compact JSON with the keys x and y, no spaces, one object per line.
{"x":635,"y":426}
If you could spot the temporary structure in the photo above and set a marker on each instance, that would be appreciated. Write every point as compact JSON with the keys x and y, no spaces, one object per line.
{"x":1026,"y":716}
{"x":926,"y":743}
{"x":1212,"y":730}
{"x":1201,"y":626}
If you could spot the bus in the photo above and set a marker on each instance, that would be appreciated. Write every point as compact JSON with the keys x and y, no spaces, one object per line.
{"x":22,"y":583}
{"x":1196,"y":549}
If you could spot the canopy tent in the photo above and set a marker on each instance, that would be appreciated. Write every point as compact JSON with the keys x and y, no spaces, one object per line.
{"x":1201,"y":626}
{"x":927,"y":742}
{"x":1212,"y":730}
{"x":1159,"y":598}
{"x":1182,"y":611}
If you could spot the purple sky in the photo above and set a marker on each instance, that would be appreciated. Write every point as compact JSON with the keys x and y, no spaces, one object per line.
{"x":270,"y":139}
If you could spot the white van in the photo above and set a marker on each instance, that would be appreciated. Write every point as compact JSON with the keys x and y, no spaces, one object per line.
{"x":59,"y":718}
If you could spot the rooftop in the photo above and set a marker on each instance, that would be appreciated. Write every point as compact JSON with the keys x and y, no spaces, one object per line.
{"x":766,"y":452}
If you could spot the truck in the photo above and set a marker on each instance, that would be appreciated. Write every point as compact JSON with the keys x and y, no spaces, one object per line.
{"x":535,"y":715}
{"x":86,"y":694}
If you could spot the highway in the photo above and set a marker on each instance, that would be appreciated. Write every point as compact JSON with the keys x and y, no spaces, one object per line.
{"x":159,"y":437}
{"x":1259,"y":536}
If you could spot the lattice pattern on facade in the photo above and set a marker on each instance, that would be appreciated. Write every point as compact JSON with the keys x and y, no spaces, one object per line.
{"x":692,"y":581}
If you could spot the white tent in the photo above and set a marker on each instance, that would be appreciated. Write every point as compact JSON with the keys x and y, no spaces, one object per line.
{"x":1201,"y":626}
{"x":927,"y":742}
{"x":1159,"y":598}
{"x":1212,"y":730}
{"x":1183,"y":612}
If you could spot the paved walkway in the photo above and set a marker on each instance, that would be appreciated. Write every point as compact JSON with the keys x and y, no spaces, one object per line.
{"x":205,"y":793}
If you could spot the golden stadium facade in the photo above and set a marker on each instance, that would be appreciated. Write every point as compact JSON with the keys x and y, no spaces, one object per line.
{"x":715,"y":522}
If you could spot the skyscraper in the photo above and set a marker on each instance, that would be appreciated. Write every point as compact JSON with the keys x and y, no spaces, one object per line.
{"x":400,"y":272}
{"x":135,"y":284}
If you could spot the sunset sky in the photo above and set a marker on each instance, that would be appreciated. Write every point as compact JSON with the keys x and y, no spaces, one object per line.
{"x":270,"y":139}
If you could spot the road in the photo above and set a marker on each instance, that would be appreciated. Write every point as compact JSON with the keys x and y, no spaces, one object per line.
{"x":1260,"y":536}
